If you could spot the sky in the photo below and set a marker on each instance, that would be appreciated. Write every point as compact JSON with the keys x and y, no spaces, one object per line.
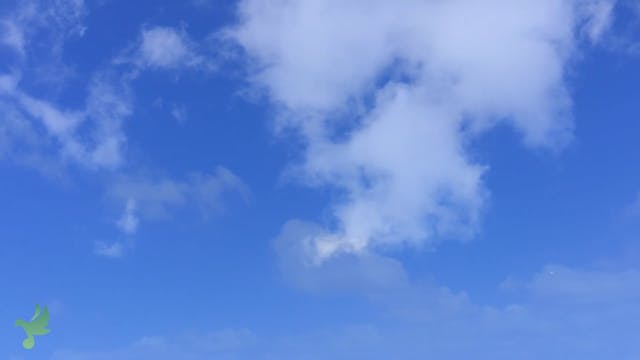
{"x":320,"y":179}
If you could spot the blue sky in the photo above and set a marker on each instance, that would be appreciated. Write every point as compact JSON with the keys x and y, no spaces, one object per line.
{"x":318,"y":179}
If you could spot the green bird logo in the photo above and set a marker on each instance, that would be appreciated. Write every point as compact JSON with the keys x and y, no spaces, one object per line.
{"x":37,"y":326}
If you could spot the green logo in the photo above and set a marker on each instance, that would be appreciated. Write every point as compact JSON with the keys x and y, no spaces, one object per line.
{"x":37,"y":326}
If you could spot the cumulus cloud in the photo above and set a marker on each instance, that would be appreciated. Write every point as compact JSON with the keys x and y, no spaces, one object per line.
{"x":152,"y":198}
{"x":388,"y":96}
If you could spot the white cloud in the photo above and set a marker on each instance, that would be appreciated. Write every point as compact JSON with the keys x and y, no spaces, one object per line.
{"x":165,"y":48}
{"x":389,"y":95}
{"x":157,"y":198}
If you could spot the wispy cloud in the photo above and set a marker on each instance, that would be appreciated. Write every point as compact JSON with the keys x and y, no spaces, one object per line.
{"x":179,"y":112}
{"x":114,"y":250}
{"x":362,"y":273}
{"x":128,"y":222}
{"x":546,"y":315}
{"x":45,"y":133}
{"x":221,"y":344}
{"x":13,"y":36}
{"x":91,"y":136}
{"x":557,"y":314}
{"x":389,"y":95}
{"x":147,"y":198}
{"x":53,"y":20}
{"x":599,"y":16}
{"x":156,"y":198}
{"x":560,"y":284}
